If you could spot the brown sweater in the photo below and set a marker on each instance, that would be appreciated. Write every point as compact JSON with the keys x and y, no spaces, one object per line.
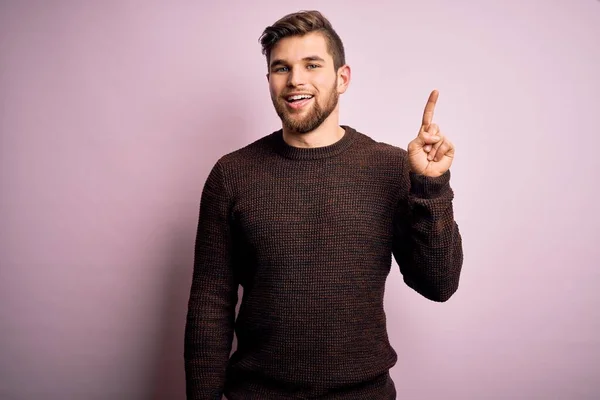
{"x":310,"y":234}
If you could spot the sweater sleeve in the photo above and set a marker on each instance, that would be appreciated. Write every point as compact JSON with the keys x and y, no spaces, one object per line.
{"x":427,"y":243}
{"x":213,"y":295}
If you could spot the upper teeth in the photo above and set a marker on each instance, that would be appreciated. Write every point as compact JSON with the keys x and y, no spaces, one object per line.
{"x":300,"y":96}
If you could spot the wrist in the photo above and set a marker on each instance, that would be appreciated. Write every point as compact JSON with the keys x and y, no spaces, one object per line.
{"x":425,"y":186}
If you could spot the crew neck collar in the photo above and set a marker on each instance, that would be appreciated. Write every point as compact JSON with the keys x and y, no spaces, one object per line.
{"x":314,"y":153}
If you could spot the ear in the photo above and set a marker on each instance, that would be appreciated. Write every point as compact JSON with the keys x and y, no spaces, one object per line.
{"x":343,"y":75}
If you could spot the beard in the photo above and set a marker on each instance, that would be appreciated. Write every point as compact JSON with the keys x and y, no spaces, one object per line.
{"x":314,"y":117}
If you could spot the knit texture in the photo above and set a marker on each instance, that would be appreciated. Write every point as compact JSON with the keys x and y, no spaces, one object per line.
{"x":310,"y":235}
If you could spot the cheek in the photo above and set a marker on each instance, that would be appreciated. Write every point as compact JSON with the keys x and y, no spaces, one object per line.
{"x":274,"y":88}
{"x":325,"y":84}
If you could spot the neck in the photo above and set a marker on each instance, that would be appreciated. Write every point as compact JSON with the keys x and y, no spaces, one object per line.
{"x":325,"y":134}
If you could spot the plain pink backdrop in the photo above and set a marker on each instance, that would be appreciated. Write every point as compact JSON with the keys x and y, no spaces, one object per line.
{"x":113,"y":112}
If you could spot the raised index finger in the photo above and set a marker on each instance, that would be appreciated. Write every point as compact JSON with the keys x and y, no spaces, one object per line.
{"x":429,"y":107}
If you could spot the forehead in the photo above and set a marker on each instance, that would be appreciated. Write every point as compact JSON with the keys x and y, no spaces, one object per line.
{"x":296,"y":48}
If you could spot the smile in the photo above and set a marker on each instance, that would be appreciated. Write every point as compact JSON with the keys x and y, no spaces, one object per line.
{"x":298,"y":101}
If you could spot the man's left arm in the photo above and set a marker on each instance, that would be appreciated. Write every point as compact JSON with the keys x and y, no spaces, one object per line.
{"x":427,"y":243}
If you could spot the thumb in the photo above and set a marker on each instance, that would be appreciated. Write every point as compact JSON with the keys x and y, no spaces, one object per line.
{"x":423,"y":141}
{"x":424,"y":138}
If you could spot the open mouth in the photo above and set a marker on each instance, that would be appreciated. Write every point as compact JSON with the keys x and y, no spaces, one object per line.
{"x":299,"y":100}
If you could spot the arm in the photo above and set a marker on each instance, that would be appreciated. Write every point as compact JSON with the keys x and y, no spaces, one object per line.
{"x":213,"y":296}
{"x":427,"y":244}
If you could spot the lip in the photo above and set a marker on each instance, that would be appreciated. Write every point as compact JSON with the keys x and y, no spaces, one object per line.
{"x":297,"y":94}
{"x":296,"y":105}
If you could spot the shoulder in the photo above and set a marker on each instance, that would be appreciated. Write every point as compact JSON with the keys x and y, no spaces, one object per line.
{"x":241,"y":167}
{"x":247,"y":156}
{"x":378,"y":151}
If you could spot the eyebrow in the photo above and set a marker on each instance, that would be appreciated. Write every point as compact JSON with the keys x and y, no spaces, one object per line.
{"x":309,"y":58}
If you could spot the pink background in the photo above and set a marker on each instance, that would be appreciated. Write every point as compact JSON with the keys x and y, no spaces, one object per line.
{"x":112,"y":113}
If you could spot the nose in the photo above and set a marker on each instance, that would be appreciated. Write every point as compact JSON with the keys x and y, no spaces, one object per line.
{"x":296,"y":77}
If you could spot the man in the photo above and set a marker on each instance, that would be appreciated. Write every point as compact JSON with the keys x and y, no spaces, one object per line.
{"x":307,"y":219}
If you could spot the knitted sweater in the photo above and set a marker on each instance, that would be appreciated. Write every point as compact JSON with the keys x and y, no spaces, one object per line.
{"x":309,"y":233}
